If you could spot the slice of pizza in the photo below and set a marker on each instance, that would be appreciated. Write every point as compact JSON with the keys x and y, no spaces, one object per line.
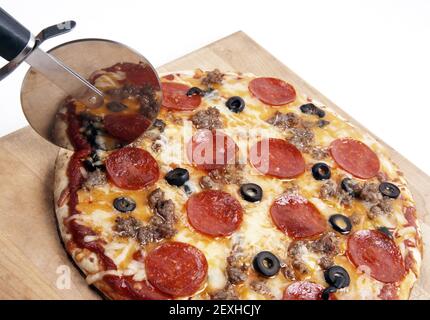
{"x":132,"y":97}
{"x":243,"y":188}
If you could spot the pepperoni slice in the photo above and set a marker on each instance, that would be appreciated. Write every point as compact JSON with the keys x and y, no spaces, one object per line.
{"x":277,"y":158}
{"x":355,"y":157}
{"x":209,"y":150}
{"x":137,"y":73}
{"x":374,"y":251}
{"x":176,"y":268}
{"x":126,"y":127}
{"x":272,"y":91}
{"x":303,"y":290}
{"x":175,"y":97}
{"x":132,"y":168}
{"x":297,"y":217}
{"x":214,"y":213}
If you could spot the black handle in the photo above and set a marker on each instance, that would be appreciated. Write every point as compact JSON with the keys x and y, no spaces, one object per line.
{"x":13,"y":36}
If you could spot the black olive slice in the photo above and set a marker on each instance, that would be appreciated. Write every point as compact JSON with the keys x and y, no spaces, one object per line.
{"x":310,"y":108}
{"x":321,"y":171}
{"x":235,"y":104}
{"x":116,"y":106}
{"x":386,"y":231}
{"x":195,"y":91}
{"x":322,"y":123}
{"x":325,"y":295}
{"x":266,"y":264}
{"x":177,"y":177}
{"x":340,"y":223}
{"x":337,"y":277}
{"x":124,"y":204}
{"x":91,"y":132}
{"x":251,"y":192}
{"x":100,"y":165}
{"x":389,"y":190}
{"x":89,"y":166}
{"x":94,"y":156}
{"x":93,"y":162}
{"x":159,"y":124}
{"x":187,"y":189}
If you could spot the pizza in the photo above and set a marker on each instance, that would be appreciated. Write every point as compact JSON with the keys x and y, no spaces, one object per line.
{"x":132,"y":100}
{"x":243,"y":188}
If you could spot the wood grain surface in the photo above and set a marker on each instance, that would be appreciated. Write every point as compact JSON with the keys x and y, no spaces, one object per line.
{"x":33,"y":263}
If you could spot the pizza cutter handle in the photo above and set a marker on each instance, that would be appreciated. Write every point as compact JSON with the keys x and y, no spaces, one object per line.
{"x":55,"y":30}
{"x":14,"y":37}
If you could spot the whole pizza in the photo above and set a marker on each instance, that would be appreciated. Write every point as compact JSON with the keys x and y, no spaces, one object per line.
{"x":243,"y":188}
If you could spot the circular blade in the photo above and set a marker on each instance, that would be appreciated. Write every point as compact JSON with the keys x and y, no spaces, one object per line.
{"x":132,"y":97}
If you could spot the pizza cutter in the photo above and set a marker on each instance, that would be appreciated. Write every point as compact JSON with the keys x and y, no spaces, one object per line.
{"x":62,"y":72}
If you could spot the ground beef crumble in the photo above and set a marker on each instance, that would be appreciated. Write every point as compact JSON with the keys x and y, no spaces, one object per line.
{"x":328,"y":190}
{"x":229,"y":174}
{"x":212,"y":77}
{"x":95,"y":178}
{"x":319,"y":153}
{"x":367,"y":192}
{"x":302,"y":138}
{"x":355,"y":218}
{"x":160,"y":226}
{"x":206,"y":182}
{"x":261,"y":287}
{"x":227,"y":293}
{"x":155,"y":197}
{"x":237,"y":266}
{"x":331,"y":190}
{"x":370,"y":192}
{"x":154,"y":134}
{"x":207,"y":119}
{"x":379,"y":205}
{"x":295,"y":251}
{"x":299,"y":132}
{"x":127,"y":226}
{"x":384,"y":206}
{"x":144,"y":94}
{"x":325,"y":262}
{"x":327,"y":246}
{"x":288,"y":271}
{"x":156,"y":146}
{"x":284,"y":120}
{"x":237,"y":273}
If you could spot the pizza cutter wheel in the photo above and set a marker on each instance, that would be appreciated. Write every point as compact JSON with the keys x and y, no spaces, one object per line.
{"x":61,"y":74}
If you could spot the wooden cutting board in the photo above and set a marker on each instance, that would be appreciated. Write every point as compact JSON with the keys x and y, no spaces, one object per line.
{"x":33,"y":264}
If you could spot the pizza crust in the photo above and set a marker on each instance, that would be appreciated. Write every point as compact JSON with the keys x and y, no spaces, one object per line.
{"x":85,"y":260}
{"x":81,"y":258}
{"x":59,"y":130}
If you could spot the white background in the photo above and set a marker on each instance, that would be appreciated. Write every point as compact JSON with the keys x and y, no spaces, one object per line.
{"x":372,"y":58}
